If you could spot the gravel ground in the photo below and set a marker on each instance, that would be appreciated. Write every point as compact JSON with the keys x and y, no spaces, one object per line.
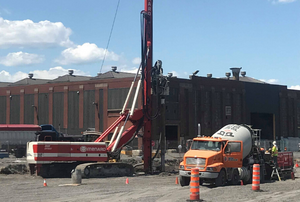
{"x":146,"y":188}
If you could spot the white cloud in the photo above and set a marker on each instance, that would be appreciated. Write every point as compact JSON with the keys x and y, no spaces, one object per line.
{"x":130,"y":70}
{"x":52,"y":73}
{"x":270,"y":81}
{"x":285,"y":1}
{"x":26,"y":33}
{"x":7,"y":77}
{"x":21,"y":58}
{"x":136,"y":61}
{"x":55,"y":72}
{"x":86,"y":53}
{"x":282,"y":1}
{"x":297,"y":87}
{"x":123,"y":68}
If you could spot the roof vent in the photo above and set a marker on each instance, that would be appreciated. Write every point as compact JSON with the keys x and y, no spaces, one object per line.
{"x":71,"y":71}
{"x":243,"y":73}
{"x":114,"y":68}
{"x":30,"y":75}
{"x":209,"y":75}
{"x":236,"y":73}
{"x":228,"y":74}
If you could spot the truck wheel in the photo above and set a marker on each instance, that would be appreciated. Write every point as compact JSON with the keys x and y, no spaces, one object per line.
{"x":184,"y":181}
{"x":221,"y":179}
{"x":235,"y":179}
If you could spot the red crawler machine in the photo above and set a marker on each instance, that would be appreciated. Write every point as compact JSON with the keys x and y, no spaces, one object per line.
{"x":48,"y":158}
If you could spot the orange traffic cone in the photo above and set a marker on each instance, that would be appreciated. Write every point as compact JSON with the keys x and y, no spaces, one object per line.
{"x":127,"y":181}
{"x":176,"y":182}
{"x":45,"y":183}
{"x":242,"y":183}
{"x":296,"y":165}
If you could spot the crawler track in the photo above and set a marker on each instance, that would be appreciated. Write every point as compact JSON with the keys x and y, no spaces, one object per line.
{"x":105,"y":169}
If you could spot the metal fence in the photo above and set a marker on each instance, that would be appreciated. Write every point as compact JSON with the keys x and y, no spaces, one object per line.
{"x":291,"y":144}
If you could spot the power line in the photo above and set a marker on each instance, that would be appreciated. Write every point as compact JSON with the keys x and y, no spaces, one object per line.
{"x":112,"y":27}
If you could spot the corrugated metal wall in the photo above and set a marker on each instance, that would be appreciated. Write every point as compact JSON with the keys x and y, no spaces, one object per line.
{"x":117,"y":97}
{"x":216,"y":111}
{"x":291,"y":110}
{"x":172,"y":104}
{"x":206,"y":107}
{"x":58,"y":111}
{"x":43,"y":109}
{"x":73,"y":113}
{"x":237,"y":111}
{"x":2,"y":109}
{"x":298,"y":118}
{"x":15,"y":109}
{"x":100,"y":110}
{"x":88,"y":109}
{"x":28,"y":109}
{"x":228,"y":108}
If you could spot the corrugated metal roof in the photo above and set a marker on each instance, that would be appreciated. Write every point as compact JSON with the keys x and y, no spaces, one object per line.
{"x":4,"y":84}
{"x":246,"y":79}
{"x":70,"y":78}
{"x":28,"y":81}
{"x":114,"y":75}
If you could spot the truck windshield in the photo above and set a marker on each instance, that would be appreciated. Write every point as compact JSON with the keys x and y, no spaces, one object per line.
{"x":206,"y":145}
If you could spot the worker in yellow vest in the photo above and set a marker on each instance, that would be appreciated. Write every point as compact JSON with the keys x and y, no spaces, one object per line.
{"x":275,"y":153}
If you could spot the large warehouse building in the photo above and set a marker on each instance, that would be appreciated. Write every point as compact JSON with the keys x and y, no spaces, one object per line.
{"x":75,"y":103}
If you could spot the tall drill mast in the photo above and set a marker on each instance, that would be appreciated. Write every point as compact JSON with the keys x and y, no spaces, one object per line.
{"x":147,"y":86}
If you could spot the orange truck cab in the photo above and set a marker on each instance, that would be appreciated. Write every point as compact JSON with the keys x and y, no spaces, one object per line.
{"x":218,"y":161}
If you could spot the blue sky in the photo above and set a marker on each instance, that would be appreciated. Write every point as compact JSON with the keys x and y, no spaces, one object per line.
{"x":49,"y":37}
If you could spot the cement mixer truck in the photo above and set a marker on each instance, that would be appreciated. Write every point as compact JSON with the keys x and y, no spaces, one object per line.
{"x":228,"y":157}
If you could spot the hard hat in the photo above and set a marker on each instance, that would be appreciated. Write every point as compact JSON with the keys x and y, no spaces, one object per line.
{"x":274,"y":143}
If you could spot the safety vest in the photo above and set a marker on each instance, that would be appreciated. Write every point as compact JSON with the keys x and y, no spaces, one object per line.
{"x":275,"y":151}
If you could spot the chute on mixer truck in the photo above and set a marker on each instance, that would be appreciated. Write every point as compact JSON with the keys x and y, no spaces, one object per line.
{"x":228,"y":157}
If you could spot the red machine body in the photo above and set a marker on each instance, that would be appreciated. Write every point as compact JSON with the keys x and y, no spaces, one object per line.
{"x":285,"y":160}
{"x":49,"y":152}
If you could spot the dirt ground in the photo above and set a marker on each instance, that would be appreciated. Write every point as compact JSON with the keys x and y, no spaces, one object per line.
{"x":146,"y":188}
{"x":149,"y":188}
